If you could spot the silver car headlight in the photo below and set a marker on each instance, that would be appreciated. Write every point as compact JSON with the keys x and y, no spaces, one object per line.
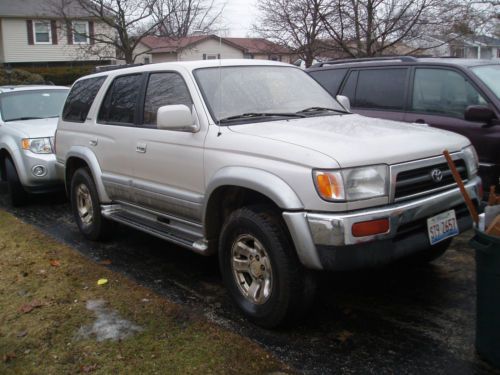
{"x":37,"y":145}
{"x":471,"y":160}
{"x":352,"y":184}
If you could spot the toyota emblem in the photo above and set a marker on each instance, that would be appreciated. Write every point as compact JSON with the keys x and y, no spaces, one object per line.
{"x":437,"y":175}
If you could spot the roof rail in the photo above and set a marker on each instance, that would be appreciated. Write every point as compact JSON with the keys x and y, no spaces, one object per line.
{"x":107,"y":68}
{"x":366,"y":59}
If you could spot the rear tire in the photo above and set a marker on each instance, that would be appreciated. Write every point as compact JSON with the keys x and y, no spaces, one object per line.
{"x":261,"y":270}
{"x":86,"y":207}
{"x":17,"y":196}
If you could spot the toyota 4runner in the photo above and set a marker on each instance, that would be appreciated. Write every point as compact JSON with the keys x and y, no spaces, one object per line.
{"x":256,"y":162}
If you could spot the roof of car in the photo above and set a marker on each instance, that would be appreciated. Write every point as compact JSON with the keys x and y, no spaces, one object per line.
{"x":402,"y":60}
{"x":11,"y":88}
{"x":190,"y":65}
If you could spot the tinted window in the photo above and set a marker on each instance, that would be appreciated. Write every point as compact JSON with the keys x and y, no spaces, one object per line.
{"x":164,"y":89}
{"x":120,"y":104}
{"x":444,"y":92}
{"x":381,"y":88}
{"x":330,"y":79}
{"x":80,"y":99}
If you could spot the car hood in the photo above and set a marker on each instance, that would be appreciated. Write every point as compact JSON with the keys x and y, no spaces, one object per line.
{"x":37,"y":128}
{"x":354,"y":140}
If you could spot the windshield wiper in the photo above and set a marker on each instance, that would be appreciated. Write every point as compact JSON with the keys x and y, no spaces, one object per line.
{"x":251,"y":115}
{"x":23,"y":118}
{"x":321,"y":109}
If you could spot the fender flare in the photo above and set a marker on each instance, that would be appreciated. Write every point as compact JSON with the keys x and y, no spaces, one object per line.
{"x":258,"y":180}
{"x":89,"y":157}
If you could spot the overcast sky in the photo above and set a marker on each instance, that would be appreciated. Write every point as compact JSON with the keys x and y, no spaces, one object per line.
{"x":238,"y":16}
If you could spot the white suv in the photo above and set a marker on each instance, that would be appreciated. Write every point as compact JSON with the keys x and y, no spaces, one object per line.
{"x":256,"y":162}
{"x":28,"y":121}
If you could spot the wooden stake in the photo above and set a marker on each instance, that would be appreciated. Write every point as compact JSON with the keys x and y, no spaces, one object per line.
{"x":460,"y":183}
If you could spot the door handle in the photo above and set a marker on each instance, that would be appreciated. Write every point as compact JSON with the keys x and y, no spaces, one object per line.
{"x":141,"y":148}
{"x":93,"y":142}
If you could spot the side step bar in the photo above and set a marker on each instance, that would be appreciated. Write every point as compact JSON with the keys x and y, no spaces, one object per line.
{"x":178,"y":231}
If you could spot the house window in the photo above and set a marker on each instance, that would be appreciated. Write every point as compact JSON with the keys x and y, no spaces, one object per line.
{"x":80,"y":32}
{"x":275,"y":58}
{"x":42,"y":32}
{"x":146,"y":60}
{"x":211,"y":56}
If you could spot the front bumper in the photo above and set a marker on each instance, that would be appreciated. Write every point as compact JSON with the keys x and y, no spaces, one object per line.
{"x":48,"y":182}
{"x":325,"y":241}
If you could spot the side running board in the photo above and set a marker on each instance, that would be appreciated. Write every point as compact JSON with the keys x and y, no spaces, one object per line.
{"x":179,"y":231}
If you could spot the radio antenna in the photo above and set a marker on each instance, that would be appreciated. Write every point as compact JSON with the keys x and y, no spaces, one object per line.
{"x":220,"y":85}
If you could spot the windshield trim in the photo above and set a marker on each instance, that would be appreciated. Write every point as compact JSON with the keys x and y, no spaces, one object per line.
{"x":245,"y":121}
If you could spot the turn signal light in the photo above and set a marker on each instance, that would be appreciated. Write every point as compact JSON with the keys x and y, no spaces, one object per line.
{"x":370,"y":228}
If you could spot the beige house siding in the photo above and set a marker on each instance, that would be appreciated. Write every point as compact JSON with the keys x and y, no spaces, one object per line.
{"x":140,"y":54}
{"x":164,"y":57}
{"x":284,"y":58}
{"x":209,"y":47}
{"x":16,"y":47}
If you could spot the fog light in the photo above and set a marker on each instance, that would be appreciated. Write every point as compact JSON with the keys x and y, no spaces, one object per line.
{"x":39,"y":171}
{"x":370,"y":228}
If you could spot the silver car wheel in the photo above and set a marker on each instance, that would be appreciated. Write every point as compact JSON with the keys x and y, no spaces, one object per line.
{"x":251,"y":268}
{"x":84,"y":204}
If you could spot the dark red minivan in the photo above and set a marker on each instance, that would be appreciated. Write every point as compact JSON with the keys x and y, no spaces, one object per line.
{"x":453,"y":94}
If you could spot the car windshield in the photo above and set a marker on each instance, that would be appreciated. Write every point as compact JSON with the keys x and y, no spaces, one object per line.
{"x":32,"y":104}
{"x":262,"y":93}
{"x":490,"y":75}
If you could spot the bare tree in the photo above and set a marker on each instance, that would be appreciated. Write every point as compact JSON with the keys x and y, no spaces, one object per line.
{"x":124,"y":24}
{"x":179,"y":18}
{"x":374,"y":27}
{"x":295,"y":23}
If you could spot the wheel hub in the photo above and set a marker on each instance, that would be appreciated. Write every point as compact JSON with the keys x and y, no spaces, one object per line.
{"x":84,"y":204}
{"x":251,"y":269}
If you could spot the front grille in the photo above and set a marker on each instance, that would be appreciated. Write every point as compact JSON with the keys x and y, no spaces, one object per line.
{"x":419,"y":181}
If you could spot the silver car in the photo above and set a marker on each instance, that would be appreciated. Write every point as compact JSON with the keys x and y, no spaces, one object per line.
{"x":28,"y":121}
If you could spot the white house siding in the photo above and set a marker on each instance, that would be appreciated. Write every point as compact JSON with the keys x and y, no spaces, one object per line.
{"x":17,"y":49}
{"x":210,"y":46}
{"x":141,"y":55}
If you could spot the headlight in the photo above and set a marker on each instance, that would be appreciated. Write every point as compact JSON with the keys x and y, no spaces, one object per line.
{"x":37,"y":145}
{"x":352,"y":184}
{"x":471,"y":160}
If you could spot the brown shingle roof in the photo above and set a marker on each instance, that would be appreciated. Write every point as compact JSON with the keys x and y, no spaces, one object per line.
{"x":259,"y":46}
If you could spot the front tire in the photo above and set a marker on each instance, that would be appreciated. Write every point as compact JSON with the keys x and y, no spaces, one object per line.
{"x":86,"y":207}
{"x":17,"y":196}
{"x":261,"y":270}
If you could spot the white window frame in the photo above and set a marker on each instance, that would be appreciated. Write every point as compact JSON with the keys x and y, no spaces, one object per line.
{"x":87,"y":32}
{"x":35,"y":22}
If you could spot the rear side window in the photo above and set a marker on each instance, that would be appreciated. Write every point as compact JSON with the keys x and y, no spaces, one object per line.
{"x":164,"y":89}
{"x":80,"y":99}
{"x":381,"y":88}
{"x":330,"y":79}
{"x":120,"y":104}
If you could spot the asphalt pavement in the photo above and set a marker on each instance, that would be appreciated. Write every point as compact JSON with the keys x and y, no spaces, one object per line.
{"x":396,"y":320}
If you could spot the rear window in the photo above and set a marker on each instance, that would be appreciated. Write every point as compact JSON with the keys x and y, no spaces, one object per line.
{"x":80,"y":99}
{"x":330,"y":79}
{"x":381,"y":88}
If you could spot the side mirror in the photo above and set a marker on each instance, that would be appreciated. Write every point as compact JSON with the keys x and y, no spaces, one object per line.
{"x":480,"y":113}
{"x":176,"y":117}
{"x":344,"y":102}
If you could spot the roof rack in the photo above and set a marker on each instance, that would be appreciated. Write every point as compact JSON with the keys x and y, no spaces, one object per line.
{"x":366,"y":59}
{"x":107,"y":68}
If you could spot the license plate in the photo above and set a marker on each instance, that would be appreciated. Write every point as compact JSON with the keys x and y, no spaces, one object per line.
{"x":442,"y":226}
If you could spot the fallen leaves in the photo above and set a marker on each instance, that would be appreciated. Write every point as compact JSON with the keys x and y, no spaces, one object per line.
{"x":102,"y":281}
{"x":88,"y":368}
{"x":344,"y":336}
{"x":9,"y":357}
{"x":30,"y":306}
{"x":55,"y":262}
{"x":105,"y":262}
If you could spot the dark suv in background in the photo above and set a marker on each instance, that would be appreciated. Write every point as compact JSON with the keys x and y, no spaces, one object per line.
{"x":453,"y":94}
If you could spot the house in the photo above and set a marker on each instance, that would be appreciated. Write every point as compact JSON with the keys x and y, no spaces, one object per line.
{"x":35,"y":33}
{"x":206,"y":47}
{"x":473,"y":47}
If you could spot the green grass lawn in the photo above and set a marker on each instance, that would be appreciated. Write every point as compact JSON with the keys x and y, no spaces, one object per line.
{"x":46,"y":326}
